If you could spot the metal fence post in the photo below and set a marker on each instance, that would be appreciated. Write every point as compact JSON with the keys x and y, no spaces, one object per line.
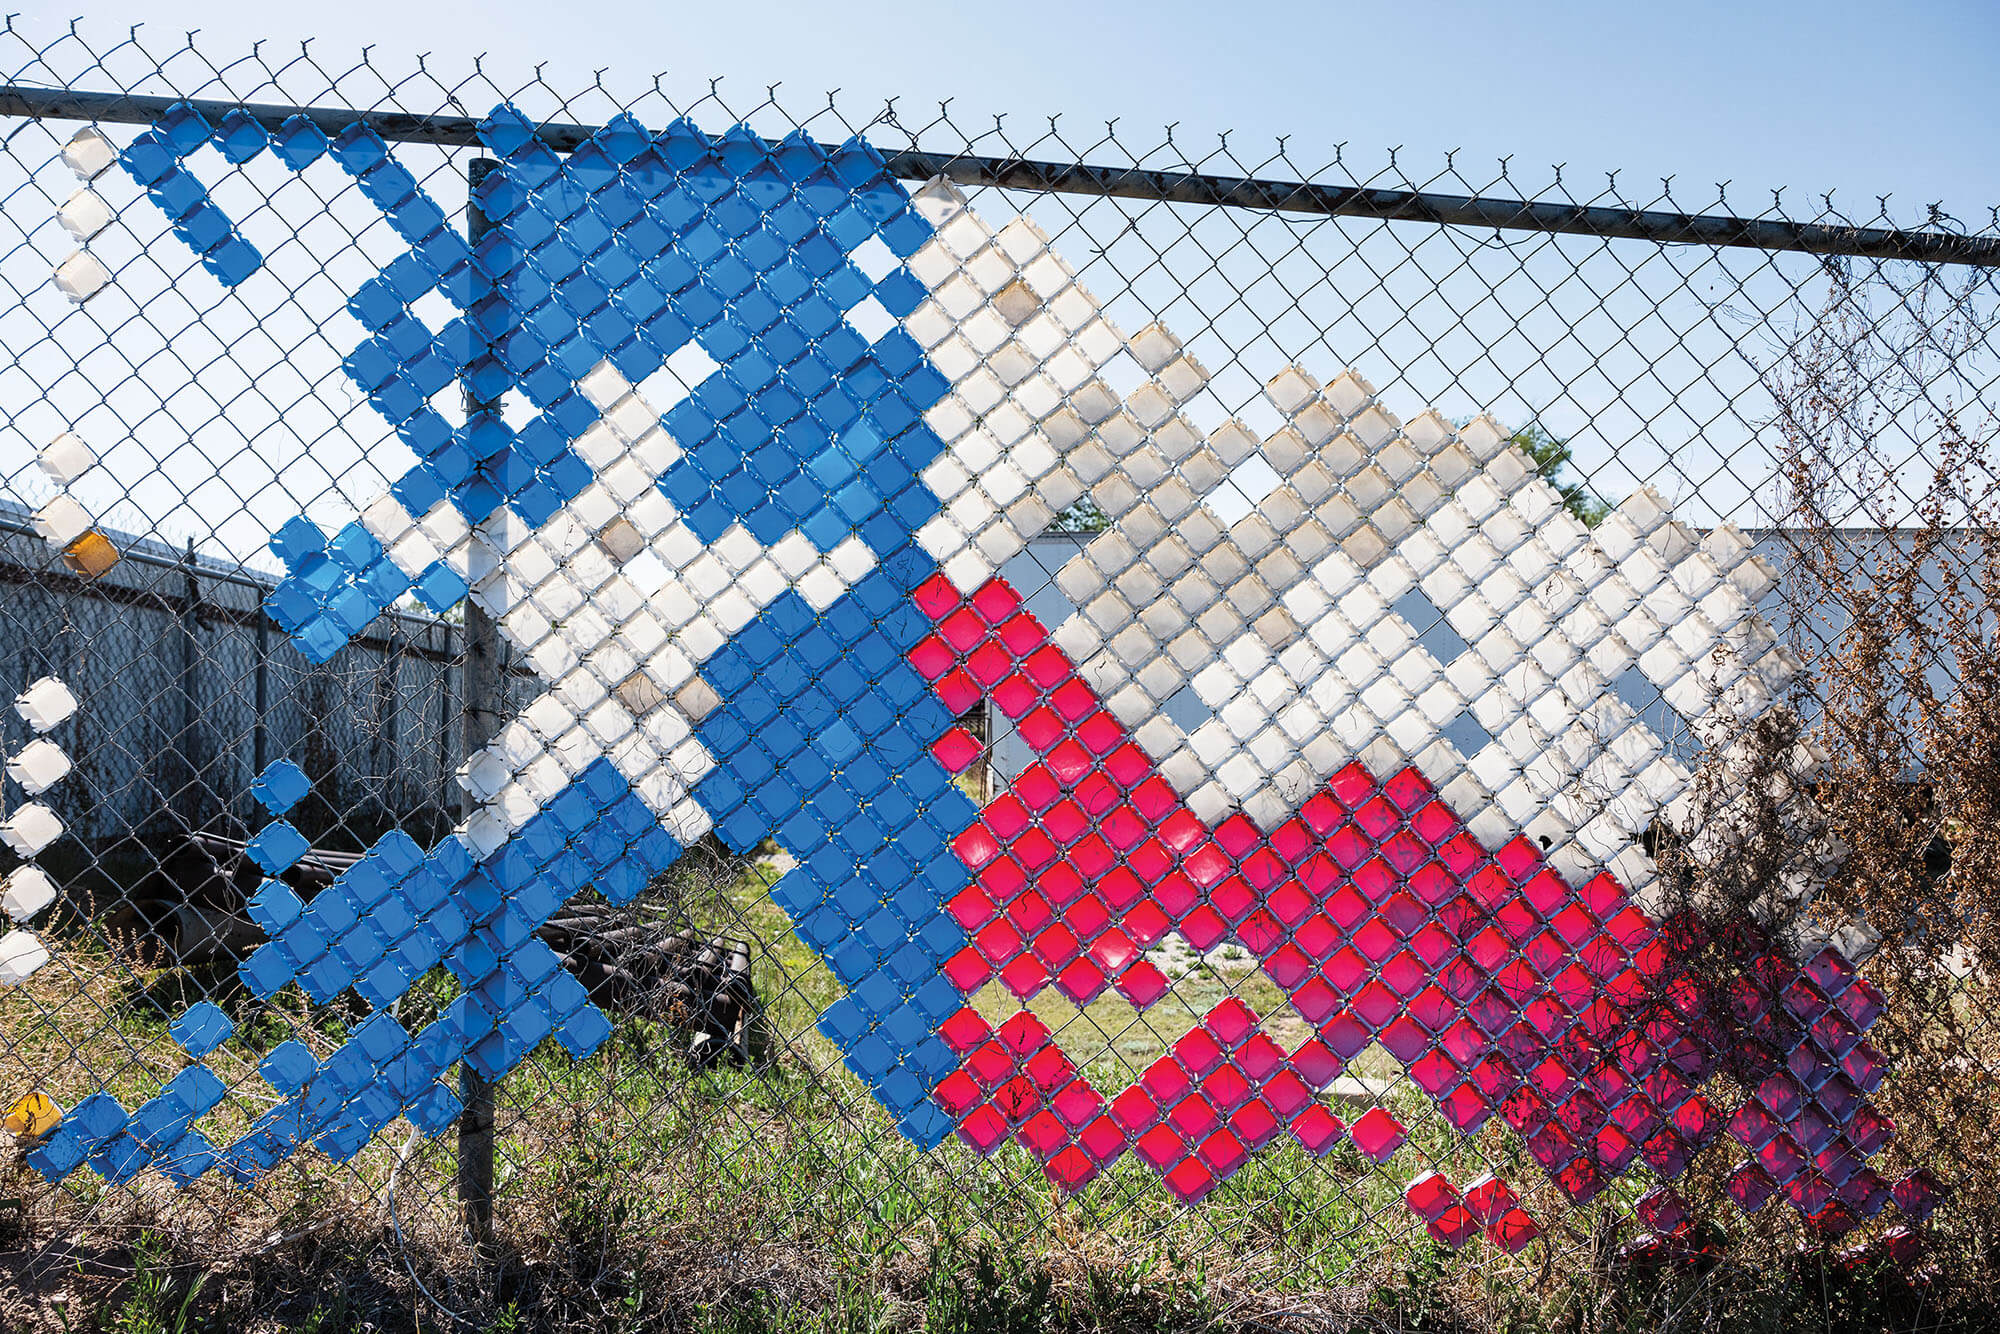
{"x":191,"y":772}
{"x":479,"y":703}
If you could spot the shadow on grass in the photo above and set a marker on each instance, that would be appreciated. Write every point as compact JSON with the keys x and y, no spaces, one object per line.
{"x":606,"y":1263}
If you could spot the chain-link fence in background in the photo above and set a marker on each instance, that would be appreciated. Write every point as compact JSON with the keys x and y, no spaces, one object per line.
{"x":641,"y":708}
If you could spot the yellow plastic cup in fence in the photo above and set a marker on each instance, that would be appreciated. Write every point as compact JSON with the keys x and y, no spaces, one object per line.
{"x":33,"y":1115}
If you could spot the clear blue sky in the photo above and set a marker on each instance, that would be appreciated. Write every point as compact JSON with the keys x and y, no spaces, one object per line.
{"x":1862,"y":98}
{"x":1653,"y":383}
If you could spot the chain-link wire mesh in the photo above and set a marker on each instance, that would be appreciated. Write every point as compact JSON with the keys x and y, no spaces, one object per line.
{"x":1299,"y":765}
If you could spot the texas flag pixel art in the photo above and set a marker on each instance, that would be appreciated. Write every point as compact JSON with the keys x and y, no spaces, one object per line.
{"x":760,"y":590}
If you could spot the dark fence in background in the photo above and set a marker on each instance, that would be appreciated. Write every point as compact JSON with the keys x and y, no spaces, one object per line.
{"x":194,"y":692}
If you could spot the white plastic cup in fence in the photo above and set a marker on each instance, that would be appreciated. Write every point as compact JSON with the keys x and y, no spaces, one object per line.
{"x":30,"y":829}
{"x":45,"y":703}
{"x":88,"y":153}
{"x":20,"y":955}
{"x":38,"y":766}
{"x":27,"y":890}
{"x":81,"y":276}
{"x":84,"y":214}
{"x":66,"y":458}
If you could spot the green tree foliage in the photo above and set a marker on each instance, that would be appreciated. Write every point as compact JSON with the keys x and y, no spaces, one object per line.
{"x":1084,"y":516}
{"x":1551,"y":455}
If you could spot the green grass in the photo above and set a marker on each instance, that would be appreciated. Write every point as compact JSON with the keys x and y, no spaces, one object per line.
{"x":603,"y":1276}
{"x":634,"y":1191}
{"x":810,"y":1123}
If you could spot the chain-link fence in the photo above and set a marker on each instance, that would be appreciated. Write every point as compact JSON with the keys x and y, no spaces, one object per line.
{"x":643,"y":710}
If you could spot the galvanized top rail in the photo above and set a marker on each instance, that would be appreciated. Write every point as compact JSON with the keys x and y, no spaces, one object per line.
{"x":1179,"y":187}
